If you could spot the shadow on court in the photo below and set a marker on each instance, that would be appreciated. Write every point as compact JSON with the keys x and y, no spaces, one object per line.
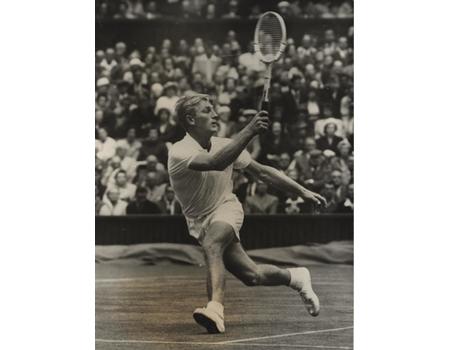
{"x":150,"y":307}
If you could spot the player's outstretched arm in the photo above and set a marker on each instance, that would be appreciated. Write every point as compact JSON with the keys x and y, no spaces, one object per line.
{"x":284,"y":183}
{"x":228,"y":154}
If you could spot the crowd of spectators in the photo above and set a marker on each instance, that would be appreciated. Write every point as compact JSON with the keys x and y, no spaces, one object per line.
{"x":311,"y":112}
{"x":220,"y":9}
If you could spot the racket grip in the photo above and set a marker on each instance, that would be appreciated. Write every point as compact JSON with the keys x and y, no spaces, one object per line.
{"x":264,"y":106}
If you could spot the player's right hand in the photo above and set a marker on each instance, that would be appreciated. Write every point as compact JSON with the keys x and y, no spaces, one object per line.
{"x":259,"y":123}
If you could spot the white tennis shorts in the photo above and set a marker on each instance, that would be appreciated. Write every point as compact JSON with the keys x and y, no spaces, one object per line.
{"x":230,"y":211}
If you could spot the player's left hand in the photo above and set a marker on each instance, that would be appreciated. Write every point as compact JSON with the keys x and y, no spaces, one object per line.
{"x":315,"y":198}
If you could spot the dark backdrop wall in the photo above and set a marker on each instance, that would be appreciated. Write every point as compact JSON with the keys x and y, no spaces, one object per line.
{"x":139,"y":34}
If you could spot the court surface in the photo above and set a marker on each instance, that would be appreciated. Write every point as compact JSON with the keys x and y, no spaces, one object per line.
{"x":150,"y":307}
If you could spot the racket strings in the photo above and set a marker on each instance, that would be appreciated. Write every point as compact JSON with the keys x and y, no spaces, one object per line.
{"x":270,"y":36}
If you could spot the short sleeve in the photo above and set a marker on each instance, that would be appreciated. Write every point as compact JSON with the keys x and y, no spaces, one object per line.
{"x":180,"y":158}
{"x":243,"y":160}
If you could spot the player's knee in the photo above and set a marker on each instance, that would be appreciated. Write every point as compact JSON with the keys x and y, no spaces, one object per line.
{"x":212,"y":248}
{"x":252,"y":278}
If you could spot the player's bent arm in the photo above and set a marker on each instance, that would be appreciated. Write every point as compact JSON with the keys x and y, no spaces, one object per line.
{"x":224,"y":157}
{"x":279,"y":180}
{"x":228,"y":154}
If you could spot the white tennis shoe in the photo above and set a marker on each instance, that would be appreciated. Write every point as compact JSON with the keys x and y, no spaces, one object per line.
{"x":301,"y":282}
{"x":210,"y":319}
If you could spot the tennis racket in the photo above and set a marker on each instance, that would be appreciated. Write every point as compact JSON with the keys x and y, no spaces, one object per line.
{"x":270,"y":42}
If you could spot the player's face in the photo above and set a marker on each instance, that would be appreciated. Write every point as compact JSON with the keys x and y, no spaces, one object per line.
{"x":206,"y":118}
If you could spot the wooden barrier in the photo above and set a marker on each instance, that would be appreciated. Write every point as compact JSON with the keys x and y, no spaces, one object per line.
{"x":258,"y":231}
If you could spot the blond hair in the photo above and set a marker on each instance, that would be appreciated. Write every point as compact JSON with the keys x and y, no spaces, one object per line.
{"x":186,"y":105}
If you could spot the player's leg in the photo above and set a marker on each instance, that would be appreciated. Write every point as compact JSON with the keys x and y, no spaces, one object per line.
{"x":216,"y":240}
{"x":245,"y":269}
{"x":214,"y":243}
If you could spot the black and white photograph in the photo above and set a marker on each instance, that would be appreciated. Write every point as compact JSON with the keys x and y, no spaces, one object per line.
{"x":234,"y":206}
{"x":224,"y":146}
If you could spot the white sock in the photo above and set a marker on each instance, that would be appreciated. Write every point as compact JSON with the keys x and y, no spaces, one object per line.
{"x":294,"y":283}
{"x":216,"y":306}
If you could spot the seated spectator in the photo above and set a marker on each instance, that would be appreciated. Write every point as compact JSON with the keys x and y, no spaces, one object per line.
{"x":341,"y":161}
{"x":294,"y":205}
{"x":156,"y":186}
{"x":127,"y":163}
{"x":168,"y":203}
{"x":169,"y":98}
{"x":131,"y":144}
{"x":274,"y":143}
{"x":346,"y":206}
{"x":206,"y":63}
{"x":112,"y":167}
{"x":98,"y":201}
{"x":329,"y":193}
{"x":167,"y":128}
{"x":141,"y":205}
{"x":254,"y":146}
{"x":108,"y":63}
{"x":232,"y":10}
{"x":314,"y":170}
{"x":153,"y":145}
{"x":250,"y":60}
{"x":339,"y":187}
{"x":261,"y":202}
{"x":112,"y":205}
{"x":225,"y":124}
{"x":105,"y":146}
{"x":126,"y":189}
{"x":329,"y":140}
{"x":151,"y":11}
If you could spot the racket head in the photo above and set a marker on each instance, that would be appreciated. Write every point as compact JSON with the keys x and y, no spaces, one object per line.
{"x":270,"y":37}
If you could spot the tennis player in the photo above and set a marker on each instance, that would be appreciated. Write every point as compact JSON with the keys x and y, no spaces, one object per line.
{"x":200,"y":169}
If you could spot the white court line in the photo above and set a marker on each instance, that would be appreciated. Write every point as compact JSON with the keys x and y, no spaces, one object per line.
{"x":289,"y":346}
{"x":184,"y":278}
{"x":122,"y":341}
{"x":287,"y":335}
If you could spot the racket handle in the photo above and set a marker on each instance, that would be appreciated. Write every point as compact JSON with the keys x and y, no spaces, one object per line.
{"x":264,"y":106}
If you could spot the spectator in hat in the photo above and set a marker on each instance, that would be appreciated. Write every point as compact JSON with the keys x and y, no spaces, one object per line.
{"x":168,"y":203}
{"x":261,"y":202}
{"x":225,"y":124}
{"x":168,"y":99}
{"x":126,"y":189}
{"x":141,"y":205}
{"x":112,"y":204}
{"x":329,"y":140}
{"x":105,"y":146}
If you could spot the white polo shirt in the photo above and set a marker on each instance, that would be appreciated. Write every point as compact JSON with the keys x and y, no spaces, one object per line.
{"x":201,"y":192}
